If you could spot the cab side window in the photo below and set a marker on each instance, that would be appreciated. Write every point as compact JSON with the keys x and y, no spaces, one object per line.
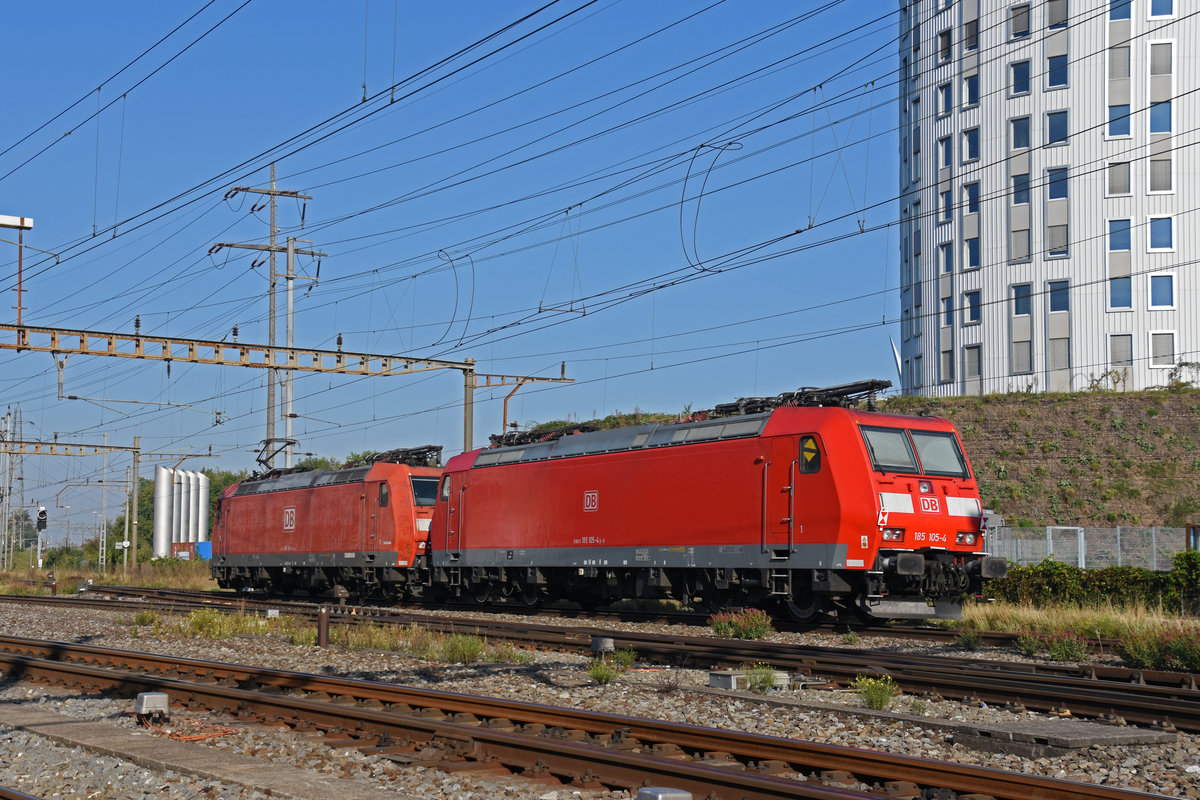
{"x":445,"y":487}
{"x":383,"y":495}
{"x":810,"y":456}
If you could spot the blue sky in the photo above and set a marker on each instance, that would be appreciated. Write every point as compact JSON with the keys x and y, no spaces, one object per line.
{"x":686,"y":202}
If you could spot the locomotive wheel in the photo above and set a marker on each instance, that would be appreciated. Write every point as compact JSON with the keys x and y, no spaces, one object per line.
{"x":481,"y":593}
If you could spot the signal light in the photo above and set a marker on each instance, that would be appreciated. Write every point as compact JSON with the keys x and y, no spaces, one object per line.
{"x":41,"y":518}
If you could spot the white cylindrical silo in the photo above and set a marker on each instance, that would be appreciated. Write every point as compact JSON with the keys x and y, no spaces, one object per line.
{"x":163,"y":517}
{"x":179,"y":507}
{"x":202,"y":499}
{"x":189,"y":492}
{"x":193,"y":531}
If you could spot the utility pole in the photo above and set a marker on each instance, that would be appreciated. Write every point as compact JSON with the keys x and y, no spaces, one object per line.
{"x":269,"y":449}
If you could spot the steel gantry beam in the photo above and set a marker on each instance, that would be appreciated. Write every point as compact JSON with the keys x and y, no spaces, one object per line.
{"x":228,"y":354}
{"x":62,"y":341}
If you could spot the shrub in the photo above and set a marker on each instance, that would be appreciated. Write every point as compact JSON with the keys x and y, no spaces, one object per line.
{"x":970,"y":639}
{"x":1166,"y":650}
{"x":760,"y":677}
{"x":1067,"y":647}
{"x":462,"y":649}
{"x":624,"y":658}
{"x":601,"y":671}
{"x":751,"y":623}
{"x":850,"y":637}
{"x":875,"y":692}
{"x":1028,"y":643}
{"x":146,"y":617}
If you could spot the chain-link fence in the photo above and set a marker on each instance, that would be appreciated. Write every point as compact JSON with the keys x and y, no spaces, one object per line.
{"x":1092,"y":548}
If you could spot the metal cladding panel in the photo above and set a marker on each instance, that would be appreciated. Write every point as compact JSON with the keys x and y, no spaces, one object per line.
{"x":826,"y":555}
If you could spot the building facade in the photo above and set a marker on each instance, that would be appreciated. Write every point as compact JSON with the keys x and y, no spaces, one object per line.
{"x":1048,"y":194}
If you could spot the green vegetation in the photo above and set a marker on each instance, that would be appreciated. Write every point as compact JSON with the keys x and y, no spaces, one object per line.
{"x":750,"y":623}
{"x":760,"y":677}
{"x":875,"y":692}
{"x":1054,"y":582}
{"x":602,"y":671}
{"x":970,"y":639}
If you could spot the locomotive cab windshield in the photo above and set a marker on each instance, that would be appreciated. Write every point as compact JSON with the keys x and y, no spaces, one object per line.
{"x":936,"y":453}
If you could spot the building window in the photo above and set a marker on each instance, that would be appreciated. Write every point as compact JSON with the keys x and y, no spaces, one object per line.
{"x":1160,"y":117}
{"x":1162,"y":349}
{"x":1018,"y":21}
{"x":1118,"y":120}
{"x":1160,"y":58}
{"x":1018,"y":246}
{"x":1160,"y":175}
{"x":1056,"y":72}
{"x":1118,"y":62}
{"x":1020,"y":133}
{"x":1120,"y":350}
{"x":971,"y":253}
{"x":1056,"y":13}
{"x":1162,"y":291}
{"x":1056,"y":183}
{"x":971,"y":192}
{"x":1120,"y":292}
{"x":1056,"y":128}
{"x":1118,"y":177}
{"x":972,"y":368}
{"x":971,"y":35}
{"x":947,"y":311}
{"x":1057,"y":241}
{"x":1022,"y":299}
{"x":1161,"y":237}
{"x":1022,"y":357}
{"x":971,"y":313}
{"x":1019,"y":77}
{"x":1119,"y":234}
{"x":947,"y":366}
{"x":918,"y":372}
{"x":971,"y":90}
{"x":971,"y":144}
{"x":946,"y":256}
{"x":1162,"y":8}
{"x":1020,"y":189}
{"x":1120,"y":9}
{"x":945,"y":46}
{"x":1060,"y":299}
{"x":945,"y":99}
{"x":945,"y":152}
{"x":947,"y":205}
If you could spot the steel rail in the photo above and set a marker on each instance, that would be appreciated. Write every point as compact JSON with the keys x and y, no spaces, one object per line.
{"x":484,"y":728}
{"x":1156,"y":699}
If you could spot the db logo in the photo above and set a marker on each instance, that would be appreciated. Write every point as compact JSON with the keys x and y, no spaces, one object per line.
{"x":591,"y":500}
{"x":930,"y":505}
{"x":289,"y":518}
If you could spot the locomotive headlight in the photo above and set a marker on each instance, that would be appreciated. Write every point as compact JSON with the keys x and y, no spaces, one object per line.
{"x":893,"y":535}
{"x":925,"y":486}
{"x":966,"y":538}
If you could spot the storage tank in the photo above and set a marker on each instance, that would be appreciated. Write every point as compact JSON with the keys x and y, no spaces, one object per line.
{"x":163,"y":512}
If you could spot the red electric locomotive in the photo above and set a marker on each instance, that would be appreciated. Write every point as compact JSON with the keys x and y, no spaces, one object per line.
{"x":362,"y":528}
{"x":799,"y":501}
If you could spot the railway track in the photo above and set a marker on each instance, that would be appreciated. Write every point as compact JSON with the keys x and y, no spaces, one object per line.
{"x":492,"y":736}
{"x":1163,"y":700}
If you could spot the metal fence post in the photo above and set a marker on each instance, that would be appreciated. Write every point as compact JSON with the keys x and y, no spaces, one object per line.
{"x":1081,"y":546}
{"x":1119,"y":545}
{"x":1154,"y":548}
{"x":1049,"y":543}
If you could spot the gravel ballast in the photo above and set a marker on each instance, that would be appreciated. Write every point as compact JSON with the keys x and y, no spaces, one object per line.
{"x":40,"y":767}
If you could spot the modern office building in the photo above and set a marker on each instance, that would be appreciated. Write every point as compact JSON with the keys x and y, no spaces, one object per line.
{"x":1049,"y":194}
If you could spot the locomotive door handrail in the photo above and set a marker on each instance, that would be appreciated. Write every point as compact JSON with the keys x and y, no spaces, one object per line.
{"x":792,"y":504}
